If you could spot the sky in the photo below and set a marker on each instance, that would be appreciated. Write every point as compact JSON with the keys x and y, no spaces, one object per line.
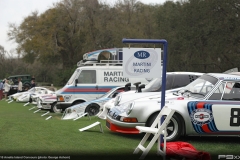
{"x":14,"y":11}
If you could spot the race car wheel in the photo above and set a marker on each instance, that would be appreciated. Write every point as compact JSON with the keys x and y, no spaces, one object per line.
{"x":54,"y":108}
{"x":174,"y":127}
{"x":92,"y":109}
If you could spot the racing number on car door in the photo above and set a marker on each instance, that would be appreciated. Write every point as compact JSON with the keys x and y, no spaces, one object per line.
{"x":227,"y":116}
{"x":235,"y":117}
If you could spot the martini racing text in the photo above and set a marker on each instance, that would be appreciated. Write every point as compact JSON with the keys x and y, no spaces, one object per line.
{"x":114,"y":76}
{"x":143,"y":64}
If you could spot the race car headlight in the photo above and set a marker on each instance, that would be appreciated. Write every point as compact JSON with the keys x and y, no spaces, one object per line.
{"x":123,"y":107}
{"x":130,"y":108}
{"x":69,"y":111}
{"x":60,"y":99}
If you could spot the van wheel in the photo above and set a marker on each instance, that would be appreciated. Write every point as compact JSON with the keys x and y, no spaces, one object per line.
{"x":174,"y":127}
{"x":92,"y":109}
{"x":54,"y":108}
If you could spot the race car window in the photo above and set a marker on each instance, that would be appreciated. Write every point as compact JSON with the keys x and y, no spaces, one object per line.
{"x":169,"y":82}
{"x":87,"y":77}
{"x":181,"y":80}
{"x":158,"y":86}
{"x":218,"y":93}
{"x":232,"y":91}
{"x":201,"y":86}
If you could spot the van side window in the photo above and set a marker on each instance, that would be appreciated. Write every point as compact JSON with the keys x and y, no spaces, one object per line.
{"x":87,"y":77}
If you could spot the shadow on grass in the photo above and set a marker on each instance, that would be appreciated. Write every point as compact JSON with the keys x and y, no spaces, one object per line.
{"x":129,"y":136}
{"x":200,"y":139}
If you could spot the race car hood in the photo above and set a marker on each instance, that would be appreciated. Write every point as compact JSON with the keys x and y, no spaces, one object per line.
{"x":135,"y":96}
{"x":146,"y":101}
{"x":48,"y":98}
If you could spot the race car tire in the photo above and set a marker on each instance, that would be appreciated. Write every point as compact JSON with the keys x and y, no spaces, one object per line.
{"x":92,"y":109}
{"x":174,"y":127}
{"x":54,"y":108}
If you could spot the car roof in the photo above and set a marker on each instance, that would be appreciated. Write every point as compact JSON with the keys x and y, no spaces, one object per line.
{"x":224,"y":76}
{"x":19,"y":75}
{"x":190,"y":73}
{"x":235,"y":73}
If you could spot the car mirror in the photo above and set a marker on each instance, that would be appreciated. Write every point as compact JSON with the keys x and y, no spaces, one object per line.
{"x":127,"y":87}
{"x":114,"y":94}
{"x":137,"y":85}
{"x":140,"y":87}
{"x":76,"y":82}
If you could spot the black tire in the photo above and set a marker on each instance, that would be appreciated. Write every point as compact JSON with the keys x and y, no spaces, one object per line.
{"x":54,"y":108}
{"x":30,"y":100}
{"x":174,"y":127}
{"x":92,"y":109}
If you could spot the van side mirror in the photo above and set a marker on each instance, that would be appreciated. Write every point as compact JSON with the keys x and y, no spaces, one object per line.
{"x":137,"y":85}
{"x":140,"y":87}
{"x":127,"y":87}
{"x":76,"y":82}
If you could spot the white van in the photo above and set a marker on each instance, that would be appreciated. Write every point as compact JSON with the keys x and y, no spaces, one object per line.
{"x":89,"y":82}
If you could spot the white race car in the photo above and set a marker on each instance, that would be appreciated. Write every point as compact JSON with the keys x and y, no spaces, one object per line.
{"x":48,"y":102}
{"x":174,"y":82}
{"x":208,"y":106}
{"x":92,"y":107}
{"x":26,"y":96}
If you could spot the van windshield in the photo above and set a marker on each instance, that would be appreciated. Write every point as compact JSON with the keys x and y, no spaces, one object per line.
{"x":73,"y":77}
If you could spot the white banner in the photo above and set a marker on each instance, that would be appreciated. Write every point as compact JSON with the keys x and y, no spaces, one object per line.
{"x":142,"y":62}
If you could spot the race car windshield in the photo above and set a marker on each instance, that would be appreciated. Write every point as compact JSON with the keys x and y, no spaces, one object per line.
{"x":154,"y":85}
{"x":107,"y":93}
{"x":201,"y":86}
{"x":32,"y":89}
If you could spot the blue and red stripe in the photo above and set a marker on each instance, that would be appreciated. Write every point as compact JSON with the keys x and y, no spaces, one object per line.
{"x":209,"y":127}
{"x":86,"y":90}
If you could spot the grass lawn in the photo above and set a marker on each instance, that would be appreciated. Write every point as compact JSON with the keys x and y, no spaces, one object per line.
{"x":24,"y":133}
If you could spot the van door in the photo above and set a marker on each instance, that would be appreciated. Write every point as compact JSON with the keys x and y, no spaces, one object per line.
{"x":87,"y":85}
{"x":109,"y":78}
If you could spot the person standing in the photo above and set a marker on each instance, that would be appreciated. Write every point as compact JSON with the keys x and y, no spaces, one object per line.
{"x":6,"y":88}
{"x":1,"y":90}
{"x":19,"y":85}
{"x":33,"y":84}
{"x":33,"y":78}
{"x":52,"y":88}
